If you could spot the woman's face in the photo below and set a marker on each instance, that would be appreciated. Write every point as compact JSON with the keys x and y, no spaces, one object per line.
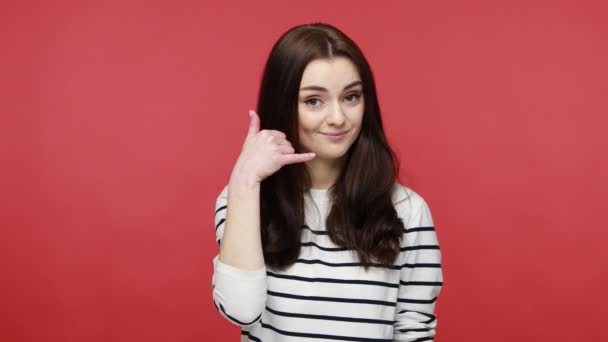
{"x":330,"y":101}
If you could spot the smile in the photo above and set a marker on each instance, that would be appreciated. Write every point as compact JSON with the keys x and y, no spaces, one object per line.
{"x":335,"y":136}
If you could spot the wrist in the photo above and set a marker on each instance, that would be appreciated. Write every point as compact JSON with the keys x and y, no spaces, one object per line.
{"x":243,"y":181}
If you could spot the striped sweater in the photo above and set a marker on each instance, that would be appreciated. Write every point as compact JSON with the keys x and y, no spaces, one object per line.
{"x":326,"y":295}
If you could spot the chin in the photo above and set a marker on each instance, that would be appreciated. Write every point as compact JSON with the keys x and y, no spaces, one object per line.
{"x":331,"y":154}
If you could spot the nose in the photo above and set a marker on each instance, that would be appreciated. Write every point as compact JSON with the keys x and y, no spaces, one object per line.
{"x":336,"y":116}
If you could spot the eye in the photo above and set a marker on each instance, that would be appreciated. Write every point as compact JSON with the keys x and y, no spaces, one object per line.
{"x":354,"y":96}
{"x":312,"y":101}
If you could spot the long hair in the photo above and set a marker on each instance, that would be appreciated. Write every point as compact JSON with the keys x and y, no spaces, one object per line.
{"x":362,"y":217}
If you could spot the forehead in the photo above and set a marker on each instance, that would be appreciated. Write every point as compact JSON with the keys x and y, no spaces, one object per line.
{"x":332,"y":73}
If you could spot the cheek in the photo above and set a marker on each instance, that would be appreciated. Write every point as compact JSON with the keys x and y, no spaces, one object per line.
{"x":306,"y":124}
{"x":303,"y":131}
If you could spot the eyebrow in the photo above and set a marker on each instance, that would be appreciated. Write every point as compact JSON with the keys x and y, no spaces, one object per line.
{"x":313,"y":87}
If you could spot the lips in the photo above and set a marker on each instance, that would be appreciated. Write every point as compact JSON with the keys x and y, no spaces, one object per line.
{"x":335,"y":134}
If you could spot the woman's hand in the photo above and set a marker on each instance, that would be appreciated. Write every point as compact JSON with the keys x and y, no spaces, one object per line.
{"x":265,"y":152}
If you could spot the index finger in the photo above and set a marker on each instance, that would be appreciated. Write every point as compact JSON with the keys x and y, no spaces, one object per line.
{"x":276,"y":133}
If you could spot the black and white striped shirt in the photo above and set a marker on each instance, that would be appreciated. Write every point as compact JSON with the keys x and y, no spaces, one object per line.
{"x":326,"y":294}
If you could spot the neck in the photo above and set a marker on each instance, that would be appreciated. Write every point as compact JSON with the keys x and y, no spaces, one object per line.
{"x":324,"y":172}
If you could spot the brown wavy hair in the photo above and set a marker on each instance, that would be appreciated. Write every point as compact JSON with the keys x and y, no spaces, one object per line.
{"x":362,"y":217}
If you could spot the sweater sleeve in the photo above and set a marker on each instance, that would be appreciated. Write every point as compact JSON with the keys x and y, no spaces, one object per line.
{"x":421,"y":274}
{"x":239,"y":295}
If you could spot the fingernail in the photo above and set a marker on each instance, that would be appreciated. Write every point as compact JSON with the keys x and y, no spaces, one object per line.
{"x":250,"y":113}
{"x":312,"y":154}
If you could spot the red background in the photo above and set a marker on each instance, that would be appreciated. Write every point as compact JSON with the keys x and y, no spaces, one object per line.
{"x":121,"y":121}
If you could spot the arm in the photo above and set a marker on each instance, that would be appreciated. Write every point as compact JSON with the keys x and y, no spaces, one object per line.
{"x":239,"y":278}
{"x":239,"y":275}
{"x":241,"y":245}
{"x":421,"y":276}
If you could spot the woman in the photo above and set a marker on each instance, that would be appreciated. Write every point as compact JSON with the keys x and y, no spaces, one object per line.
{"x":317,"y":238}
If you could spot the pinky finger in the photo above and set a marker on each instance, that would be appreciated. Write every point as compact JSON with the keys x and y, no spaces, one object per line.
{"x":297,"y":157}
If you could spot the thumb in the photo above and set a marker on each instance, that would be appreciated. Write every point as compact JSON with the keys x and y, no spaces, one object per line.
{"x":254,"y":124}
